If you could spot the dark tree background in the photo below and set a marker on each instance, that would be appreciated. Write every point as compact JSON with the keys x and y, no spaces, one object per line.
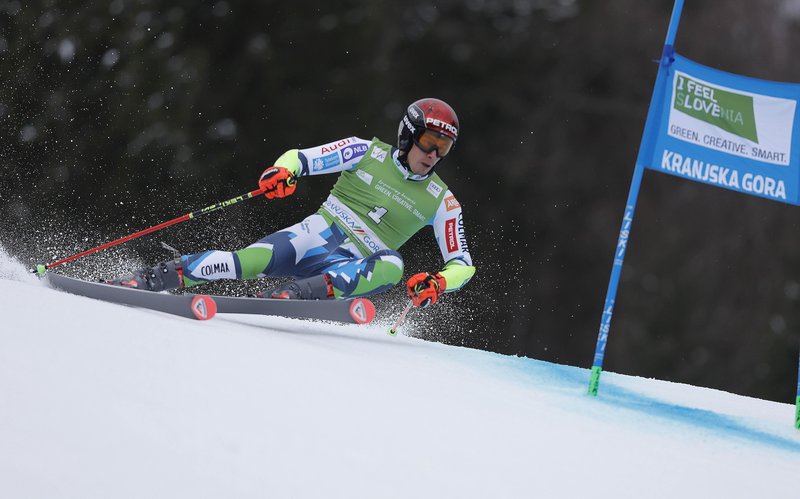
{"x":121,"y":114}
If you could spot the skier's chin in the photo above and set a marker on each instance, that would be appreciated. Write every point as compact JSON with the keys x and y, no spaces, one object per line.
{"x":421,"y":168}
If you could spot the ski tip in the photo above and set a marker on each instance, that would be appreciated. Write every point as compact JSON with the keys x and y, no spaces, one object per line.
{"x":204,"y":307}
{"x":362,"y":311}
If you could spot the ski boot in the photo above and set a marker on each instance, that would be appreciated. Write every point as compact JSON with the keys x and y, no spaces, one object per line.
{"x":160,"y":277}
{"x":318,"y":287}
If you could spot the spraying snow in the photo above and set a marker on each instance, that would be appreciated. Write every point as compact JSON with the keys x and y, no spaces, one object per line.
{"x":11,"y":269}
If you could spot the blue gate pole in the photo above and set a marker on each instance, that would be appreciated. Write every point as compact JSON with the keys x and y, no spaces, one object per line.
{"x":645,"y":155}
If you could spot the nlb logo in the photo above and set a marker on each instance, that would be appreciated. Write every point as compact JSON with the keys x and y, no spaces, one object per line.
{"x":354,"y":151}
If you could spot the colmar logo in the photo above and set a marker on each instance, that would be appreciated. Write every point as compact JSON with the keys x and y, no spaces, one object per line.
{"x":462,"y":237}
{"x":450,"y":235}
{"x":214,"y":269}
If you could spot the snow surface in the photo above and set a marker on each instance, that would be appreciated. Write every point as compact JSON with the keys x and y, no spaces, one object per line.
{"x":104,"y":401}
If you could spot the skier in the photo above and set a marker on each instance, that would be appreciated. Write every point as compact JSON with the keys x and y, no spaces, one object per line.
{"x":348,"y":248}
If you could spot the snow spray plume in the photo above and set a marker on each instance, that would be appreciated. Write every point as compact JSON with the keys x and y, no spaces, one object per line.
{"x":46,"y":234}
{"x":12,"y":269}
{"x":42,"y":268}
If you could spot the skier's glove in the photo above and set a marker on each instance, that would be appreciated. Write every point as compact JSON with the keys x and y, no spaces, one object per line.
{"x":425,"y":288}
{"x":277,"y":182}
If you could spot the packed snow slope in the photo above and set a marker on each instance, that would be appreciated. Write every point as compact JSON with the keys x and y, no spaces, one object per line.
{"x":100,"y":400}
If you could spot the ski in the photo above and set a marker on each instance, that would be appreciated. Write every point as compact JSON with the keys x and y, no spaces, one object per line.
{"x":203,"y":307}
{"x":354,"y":311}
{"x":192,"y":306}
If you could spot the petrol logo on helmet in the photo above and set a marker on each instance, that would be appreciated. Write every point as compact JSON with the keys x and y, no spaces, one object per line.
{"x":441,"y":124}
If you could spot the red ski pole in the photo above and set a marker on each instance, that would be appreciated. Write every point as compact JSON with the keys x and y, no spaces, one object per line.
{"x":42,"y":268}
{"x":400,"y":320}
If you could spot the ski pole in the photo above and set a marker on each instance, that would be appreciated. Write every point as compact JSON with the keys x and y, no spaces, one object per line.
{"x":400,"y":319}
{"x":42,"y":268}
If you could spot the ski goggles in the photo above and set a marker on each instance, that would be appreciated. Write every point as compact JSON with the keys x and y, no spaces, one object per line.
{"x":429,"y":140}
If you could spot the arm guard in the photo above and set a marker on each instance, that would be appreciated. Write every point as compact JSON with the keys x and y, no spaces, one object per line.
{"x":291,"y":161}
{"x":456,"y":274}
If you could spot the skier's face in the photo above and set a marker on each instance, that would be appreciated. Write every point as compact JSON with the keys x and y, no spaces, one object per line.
{"x":422,"y":162}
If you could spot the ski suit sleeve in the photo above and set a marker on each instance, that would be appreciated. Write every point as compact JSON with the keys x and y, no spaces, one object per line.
{"x":328,"y":158}
{"x":290,"y":160}
{"x":448,"y":226}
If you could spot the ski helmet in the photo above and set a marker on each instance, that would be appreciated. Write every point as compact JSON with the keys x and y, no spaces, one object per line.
{"x":431,"y":124}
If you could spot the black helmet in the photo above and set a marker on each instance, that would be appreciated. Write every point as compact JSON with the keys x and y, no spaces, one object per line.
{"x":428,"y":114}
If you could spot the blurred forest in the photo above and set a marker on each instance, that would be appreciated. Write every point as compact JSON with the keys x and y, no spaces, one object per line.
{"x":118,"y":115}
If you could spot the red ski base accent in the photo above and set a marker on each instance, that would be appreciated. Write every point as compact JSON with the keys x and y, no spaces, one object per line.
{"x":362,"y":311}
{"x":203,"y":307}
